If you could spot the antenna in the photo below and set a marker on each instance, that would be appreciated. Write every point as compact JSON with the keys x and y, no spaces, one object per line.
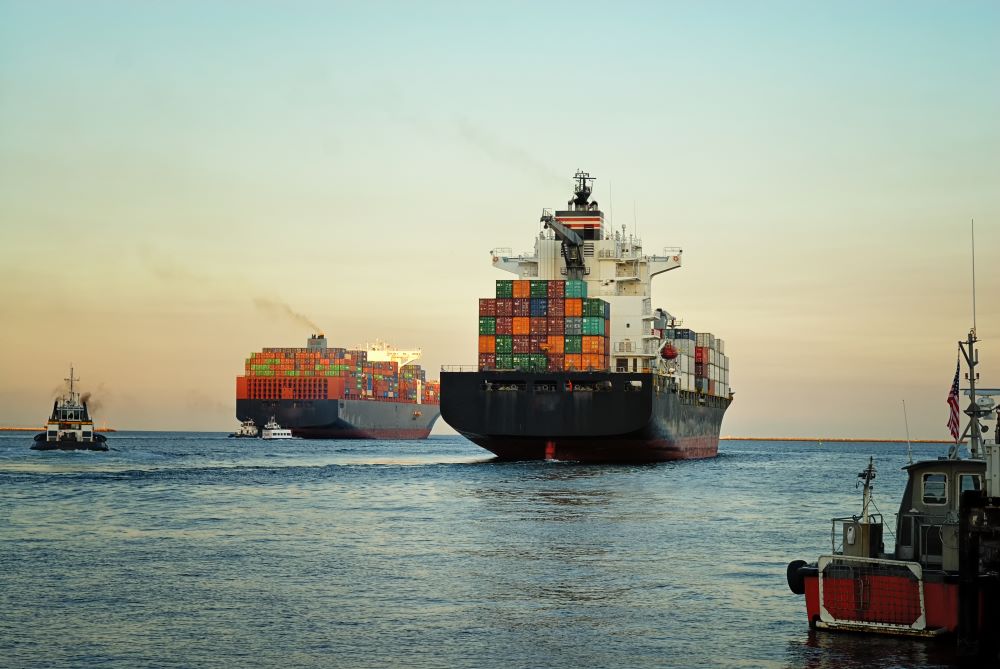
{"x":909,"y":450}
{"x":973,"y":275}
{"x":611,"y":208}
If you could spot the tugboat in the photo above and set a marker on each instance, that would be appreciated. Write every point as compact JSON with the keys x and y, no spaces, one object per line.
{"x":943,"y":576}
{"x":247,"y":430}
{"x":274,"y":431}
{"x":70,"y":427}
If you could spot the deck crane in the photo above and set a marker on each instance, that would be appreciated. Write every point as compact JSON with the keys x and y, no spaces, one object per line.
{"x":572,"y":246}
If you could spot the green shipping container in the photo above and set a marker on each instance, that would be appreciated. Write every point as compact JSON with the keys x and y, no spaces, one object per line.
{"x":505,"y":288}
{"x":573,"y":344}
{"x":487,"y":325}
{"x":576,"y":288}
{"x":592,"y":325}
{"x":291,"y":372}
{"x":505,"y":360}
{"x":539,"y":288}
{"x":539,"y":362}
{"x":593,"y":307}
{"x":521,"y":361}
{"x":505,"y":345}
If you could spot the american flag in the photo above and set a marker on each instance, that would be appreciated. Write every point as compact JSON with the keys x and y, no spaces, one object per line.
{"x":953,"y":406}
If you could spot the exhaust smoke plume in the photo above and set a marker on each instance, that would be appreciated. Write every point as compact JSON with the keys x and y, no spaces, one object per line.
{"x":282,"y":309}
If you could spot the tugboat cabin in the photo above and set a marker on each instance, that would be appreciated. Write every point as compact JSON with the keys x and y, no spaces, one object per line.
{"x":927,"y":522}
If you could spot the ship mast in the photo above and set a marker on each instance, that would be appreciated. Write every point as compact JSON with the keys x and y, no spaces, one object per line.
{"x":70,"y":380}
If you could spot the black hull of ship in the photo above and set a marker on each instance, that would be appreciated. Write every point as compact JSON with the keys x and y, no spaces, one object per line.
{"x":41,"y":444}
{"x":587,"y":417}
{"x":343,"y":419}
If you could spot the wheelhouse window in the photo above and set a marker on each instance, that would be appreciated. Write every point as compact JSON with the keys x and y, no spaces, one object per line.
{"x":935,"y":488}
{"x":969,"y":482}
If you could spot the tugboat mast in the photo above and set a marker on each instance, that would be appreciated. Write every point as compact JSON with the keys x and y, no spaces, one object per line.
{"x":72,"y":389}
{"x":973,"y":430}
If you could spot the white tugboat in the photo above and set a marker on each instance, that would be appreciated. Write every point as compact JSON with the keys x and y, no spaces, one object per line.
{"x":70,"y":427}
{"x":247,"y":430}
{"x":274,"y":431}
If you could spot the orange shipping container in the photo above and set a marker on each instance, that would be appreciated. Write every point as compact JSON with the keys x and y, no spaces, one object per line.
{"x":487,"y":344}
{"x":592,"y":344}
{"x":241,"y":387}
{"x":574,"y":307}
{"x":592,"y":361}
{"x":522,"y":324}
{"x":522,"y":288}
{"x":556,"y":343}
{"x":573,"y":361}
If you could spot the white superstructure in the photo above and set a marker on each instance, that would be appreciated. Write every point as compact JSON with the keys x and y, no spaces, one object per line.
{"x":617,"y":271}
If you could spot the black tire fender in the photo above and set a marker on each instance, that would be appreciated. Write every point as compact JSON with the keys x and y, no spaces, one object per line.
{"x":796,"y":582}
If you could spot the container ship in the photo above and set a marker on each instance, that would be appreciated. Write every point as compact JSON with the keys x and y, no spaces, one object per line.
{"x":371,"y":392}
{"x":574,"y":362}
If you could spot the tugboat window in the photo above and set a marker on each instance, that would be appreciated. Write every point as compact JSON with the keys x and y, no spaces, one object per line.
{"x":935,"y":488}
{"x":969,"y":482}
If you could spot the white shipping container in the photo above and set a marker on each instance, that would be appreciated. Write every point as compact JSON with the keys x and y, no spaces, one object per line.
{"x":721,"y":345}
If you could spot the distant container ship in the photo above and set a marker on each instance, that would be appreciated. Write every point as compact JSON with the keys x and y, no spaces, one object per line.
{"x":318,"y":392}
{"x":575,"y":363}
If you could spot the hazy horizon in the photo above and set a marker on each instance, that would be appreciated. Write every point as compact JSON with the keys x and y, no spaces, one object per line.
{"x":172,"y":173}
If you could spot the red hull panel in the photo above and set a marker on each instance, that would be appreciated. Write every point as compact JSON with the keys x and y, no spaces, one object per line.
{"x":940,"y":601}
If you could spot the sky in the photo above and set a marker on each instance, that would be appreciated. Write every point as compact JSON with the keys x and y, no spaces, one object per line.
{"x":167,"y":170}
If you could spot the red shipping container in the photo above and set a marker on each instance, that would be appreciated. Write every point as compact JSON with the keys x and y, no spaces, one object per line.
{"x":522,"y":306}
{"x":504,"y":306}
{"x":505,"y":325}
{"x":241,"y":388}
{"x":487,"y":361}
{"x":557,"y":307}
{"x":521,"y":344}
{"x":556,"y":362}
{"x":700,"y":354}
{"x":538,"y":325}
{"x":538,"y":343}
{"x":522,"y":325}
{"x":700,"y":370}
{"x":556,"y":289}
{"x":487,"y":307}
{"x":555,"y":324}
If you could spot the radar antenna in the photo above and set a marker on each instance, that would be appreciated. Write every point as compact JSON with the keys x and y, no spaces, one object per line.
{"x":582,"y":190}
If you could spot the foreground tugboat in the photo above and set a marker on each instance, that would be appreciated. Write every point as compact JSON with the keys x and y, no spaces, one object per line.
{"x":575,"y":364}
{"x":70,"y":427}
{"x":943,"y":577}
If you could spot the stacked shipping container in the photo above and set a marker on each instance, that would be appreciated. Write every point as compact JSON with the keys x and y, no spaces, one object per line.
{"x":700,"y":363}
{"x":332,"y":373}
{"x":544,"y":325}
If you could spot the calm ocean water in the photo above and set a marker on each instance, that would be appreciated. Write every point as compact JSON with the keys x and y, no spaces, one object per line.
{"x":194,"y":550}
